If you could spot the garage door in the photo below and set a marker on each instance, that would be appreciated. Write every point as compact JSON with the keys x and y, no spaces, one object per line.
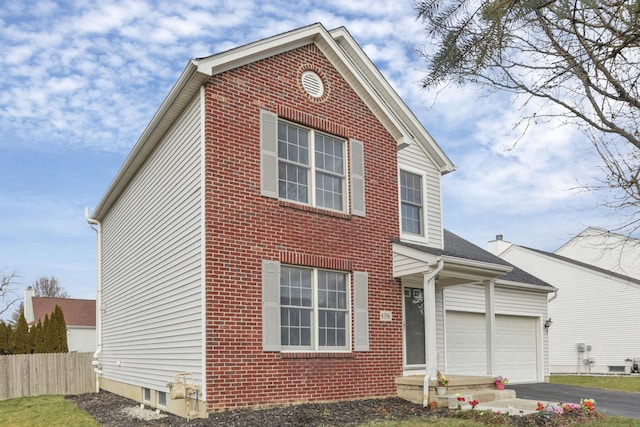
{"x":516,"y":346}
{"x":466,"y":343}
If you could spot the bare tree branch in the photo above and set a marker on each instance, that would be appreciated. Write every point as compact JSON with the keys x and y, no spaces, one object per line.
{"x":8,"y":292}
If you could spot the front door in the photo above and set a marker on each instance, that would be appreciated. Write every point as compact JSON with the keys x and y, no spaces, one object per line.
{"x":414,"y":328}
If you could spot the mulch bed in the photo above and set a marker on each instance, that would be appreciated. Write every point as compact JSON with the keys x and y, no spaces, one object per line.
{"x":112,"y":410}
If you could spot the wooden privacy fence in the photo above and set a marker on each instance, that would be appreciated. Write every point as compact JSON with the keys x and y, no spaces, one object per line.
{"x":23,"y":375}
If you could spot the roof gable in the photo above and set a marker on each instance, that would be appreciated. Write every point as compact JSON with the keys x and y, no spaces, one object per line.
{"x":77,"y":312}
{"x":338,"y":47}
{"x":582,"y":265}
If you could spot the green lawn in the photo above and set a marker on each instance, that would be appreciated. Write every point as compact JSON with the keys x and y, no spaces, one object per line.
{"x":629,"y":384}
{"x":54,"y":411}
{"x":43,"y":411}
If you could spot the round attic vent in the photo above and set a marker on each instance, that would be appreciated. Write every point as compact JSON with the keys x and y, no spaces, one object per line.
{"x":312,"y":83}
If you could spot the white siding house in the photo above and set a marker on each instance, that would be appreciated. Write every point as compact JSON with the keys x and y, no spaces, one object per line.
{"x":152,"y":266}
{"x":595,"y":312}
{"x":604,"y":249}
{"x":216,"y":257}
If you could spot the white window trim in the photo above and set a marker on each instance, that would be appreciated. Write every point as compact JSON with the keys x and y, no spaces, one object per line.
{"x":146,"y":390}
{"x":315,"y":346}
{"x":158,"y":394}
{"x":312,"y":169}
{"x":424,"y":237}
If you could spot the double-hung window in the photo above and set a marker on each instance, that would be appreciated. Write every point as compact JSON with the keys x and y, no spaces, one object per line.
{"x":311,"y":167}
{"x":411,"y":203}
{"x":314,"y":309}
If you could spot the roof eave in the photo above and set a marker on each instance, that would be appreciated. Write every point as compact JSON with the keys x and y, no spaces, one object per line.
{"x":185,"y":88}
{"x":413,"y":131}
{"x":529,"y":286}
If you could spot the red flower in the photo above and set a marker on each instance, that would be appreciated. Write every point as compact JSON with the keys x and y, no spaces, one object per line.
{"x":473,"y":403}
{"x":460,"y":399}
{"x":540,"y":406}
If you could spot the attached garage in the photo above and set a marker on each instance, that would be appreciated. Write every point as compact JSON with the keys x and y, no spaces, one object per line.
{"x":517,"y":352}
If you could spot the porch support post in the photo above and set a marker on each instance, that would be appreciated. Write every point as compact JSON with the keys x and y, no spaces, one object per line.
{"x":490,"y":317}
{"x":430,"y":353}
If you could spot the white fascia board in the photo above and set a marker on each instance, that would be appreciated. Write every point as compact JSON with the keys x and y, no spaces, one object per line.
{"x":186,"y":87}
{"x":317,"y":34}
{"x":413,"y":130}
{"x":488,"y":267}
{"x":527,"y":286}
{"x":261,"y":49}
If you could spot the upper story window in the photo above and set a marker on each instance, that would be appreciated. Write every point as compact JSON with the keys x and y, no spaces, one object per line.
{"x":307,"y":166}
{"x":314,"y":309}
{"x":411,"y":203}
{"x":311,"y":167}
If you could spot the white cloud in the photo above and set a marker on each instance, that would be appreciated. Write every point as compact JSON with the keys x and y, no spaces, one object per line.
{"x":91,"y":74}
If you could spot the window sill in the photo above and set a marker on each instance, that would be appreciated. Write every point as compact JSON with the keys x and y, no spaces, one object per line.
{"x":311,"y":355}
{"x":312,"y":209}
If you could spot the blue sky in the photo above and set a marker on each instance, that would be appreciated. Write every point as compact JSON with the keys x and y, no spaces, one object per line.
{"x":81,"y":79}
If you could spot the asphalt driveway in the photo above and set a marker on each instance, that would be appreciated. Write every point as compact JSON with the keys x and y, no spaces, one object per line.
{"x":607,"y":402}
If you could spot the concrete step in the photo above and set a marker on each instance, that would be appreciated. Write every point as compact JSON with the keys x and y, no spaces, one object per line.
{"x":511,"y":406}
{"x":482,"y":396}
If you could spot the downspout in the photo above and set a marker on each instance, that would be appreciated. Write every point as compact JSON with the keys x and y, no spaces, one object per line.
{"x":428,"y":369}
{"x":97,"y":227}
{"x":555,"y":295}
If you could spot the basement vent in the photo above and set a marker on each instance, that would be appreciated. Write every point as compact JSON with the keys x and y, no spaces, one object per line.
{"x":312,"y":83}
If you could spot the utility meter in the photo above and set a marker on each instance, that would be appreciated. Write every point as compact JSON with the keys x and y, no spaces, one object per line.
{"x":581,"y":347}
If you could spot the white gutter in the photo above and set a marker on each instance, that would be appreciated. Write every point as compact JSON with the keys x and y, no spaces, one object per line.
{"x":428,"y":363}
{"x":97,"y":227}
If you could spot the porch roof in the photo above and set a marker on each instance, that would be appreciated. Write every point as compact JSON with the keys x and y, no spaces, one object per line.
{"x":457,"y":247}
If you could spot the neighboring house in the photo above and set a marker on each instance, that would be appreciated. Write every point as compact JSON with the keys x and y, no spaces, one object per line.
{"x":594,"y":314}
{"x":273,"y":233}
{"x":79,"y":316}
{"x":605,"y":249}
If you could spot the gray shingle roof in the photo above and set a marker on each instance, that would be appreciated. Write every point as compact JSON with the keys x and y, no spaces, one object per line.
{"x":456,"y":246}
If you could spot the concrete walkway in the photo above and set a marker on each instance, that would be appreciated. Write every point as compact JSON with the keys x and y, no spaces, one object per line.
{"x":607,"y":402}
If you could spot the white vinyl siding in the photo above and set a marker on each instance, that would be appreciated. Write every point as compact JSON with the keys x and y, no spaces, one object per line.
{"x":591,"y":307}
{"x":413,"y":159}
{"x":506,"y":300}
{"x":151,"y":278}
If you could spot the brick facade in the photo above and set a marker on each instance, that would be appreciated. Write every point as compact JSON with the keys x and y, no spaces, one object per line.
{"x":243,"y":228}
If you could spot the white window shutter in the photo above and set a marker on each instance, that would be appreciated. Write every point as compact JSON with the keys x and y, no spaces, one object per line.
{"x":357,"y":178}
{"x":361,"y":311}
{"x":268,"y":154}
{"x":270,"y":305}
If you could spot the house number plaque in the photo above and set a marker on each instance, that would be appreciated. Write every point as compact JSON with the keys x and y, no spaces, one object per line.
{"x":385,"y":316}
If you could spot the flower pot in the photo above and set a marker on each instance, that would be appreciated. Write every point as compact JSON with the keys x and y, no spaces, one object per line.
{"x":433,"y":405}
{"x":441,"y":391}
{"x":500,"y":386}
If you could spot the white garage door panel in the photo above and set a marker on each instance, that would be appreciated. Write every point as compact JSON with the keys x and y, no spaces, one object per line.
{"x":466,"y":344}
{"x":516,"y":346}
{"x":516,"y":349}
